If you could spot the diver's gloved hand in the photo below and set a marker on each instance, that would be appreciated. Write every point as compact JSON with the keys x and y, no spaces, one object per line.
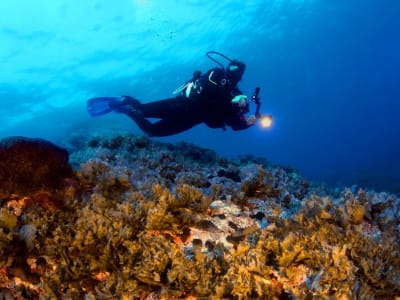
{"x":240,"y":100}
{"x":251,"y":120}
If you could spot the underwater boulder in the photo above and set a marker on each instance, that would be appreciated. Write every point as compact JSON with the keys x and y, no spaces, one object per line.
{"x":31,"y":164}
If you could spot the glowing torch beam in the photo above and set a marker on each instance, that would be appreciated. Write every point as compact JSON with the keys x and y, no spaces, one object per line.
{"x":265,"y":121}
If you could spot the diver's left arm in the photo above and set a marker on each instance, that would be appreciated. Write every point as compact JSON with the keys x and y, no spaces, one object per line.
{"x":242,"y":122}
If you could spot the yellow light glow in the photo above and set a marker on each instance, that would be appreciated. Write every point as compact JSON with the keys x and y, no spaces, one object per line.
{"x":266,"y":121}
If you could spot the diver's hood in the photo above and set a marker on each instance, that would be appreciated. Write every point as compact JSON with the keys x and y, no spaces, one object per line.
{"x":234,"y":71}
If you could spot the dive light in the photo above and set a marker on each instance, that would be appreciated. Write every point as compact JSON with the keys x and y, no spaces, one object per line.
{"x":265,"y":120}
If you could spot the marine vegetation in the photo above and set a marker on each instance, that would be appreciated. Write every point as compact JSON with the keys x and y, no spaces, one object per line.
{"x":139,"y":219}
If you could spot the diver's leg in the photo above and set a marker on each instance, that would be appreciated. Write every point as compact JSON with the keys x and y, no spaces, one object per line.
{"x":164,"y":127}
{"x":127,"y":105}
{"x":145,"y":125}
{"x":157,"y":109}
{"x":167,"y":108}
{"x":175,"y":113}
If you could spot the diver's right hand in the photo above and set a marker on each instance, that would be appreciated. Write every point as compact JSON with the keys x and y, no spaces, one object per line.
{"x":240,"y":100}
{"x":251,"y":120}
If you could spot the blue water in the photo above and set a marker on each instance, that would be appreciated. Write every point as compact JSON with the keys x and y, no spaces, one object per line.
{"x":328,"y":71}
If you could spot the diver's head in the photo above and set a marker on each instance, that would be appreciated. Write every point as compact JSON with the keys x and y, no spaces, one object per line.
{"x":234,"y":71}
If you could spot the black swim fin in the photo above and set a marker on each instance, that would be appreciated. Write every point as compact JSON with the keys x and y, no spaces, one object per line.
{"x":102,"y":105}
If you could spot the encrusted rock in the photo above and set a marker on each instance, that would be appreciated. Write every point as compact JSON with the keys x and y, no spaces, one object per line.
{"x":28,"y":165}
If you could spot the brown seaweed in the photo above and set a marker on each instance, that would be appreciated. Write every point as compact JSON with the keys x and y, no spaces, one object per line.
{"x":126,"y":231}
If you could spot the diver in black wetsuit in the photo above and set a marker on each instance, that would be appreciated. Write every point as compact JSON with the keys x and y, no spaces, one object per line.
{"x":212,"y":98}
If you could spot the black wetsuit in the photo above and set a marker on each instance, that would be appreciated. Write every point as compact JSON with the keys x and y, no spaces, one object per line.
{"x":209,"y":103}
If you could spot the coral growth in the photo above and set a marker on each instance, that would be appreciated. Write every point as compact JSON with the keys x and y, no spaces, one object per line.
{"x":146,"y":220}
{"x":28,"y":165}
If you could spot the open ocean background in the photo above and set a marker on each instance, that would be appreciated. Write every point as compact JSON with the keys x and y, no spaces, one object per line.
{"x":329,"y":72}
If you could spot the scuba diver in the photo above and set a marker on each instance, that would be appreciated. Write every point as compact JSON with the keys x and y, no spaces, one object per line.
{"x":212,"y":98}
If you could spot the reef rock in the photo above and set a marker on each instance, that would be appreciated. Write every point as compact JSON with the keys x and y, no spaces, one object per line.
{"x":28,"y":165}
